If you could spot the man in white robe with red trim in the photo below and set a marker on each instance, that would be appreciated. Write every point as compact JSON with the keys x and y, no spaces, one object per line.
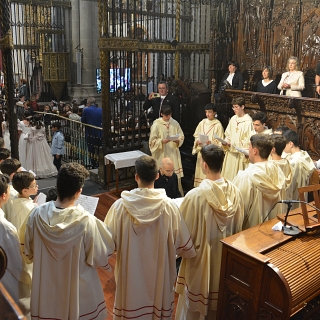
{"x":149,"y":232}
{"x":207,"y":128}
{"x":261,"y":184}
{"x":212,"y":211}
{"x":161,"y":145}
{"x":237,"y":135}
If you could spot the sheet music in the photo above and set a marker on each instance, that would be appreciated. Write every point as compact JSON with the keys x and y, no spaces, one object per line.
{"x":221,"y":140}
{"x":178,"y":201}
{"x":41,"y":198}
{"x":244,"y":151}
{"x":88,"y":203}
{"x":173,"y":138}
{"x":203,"y":138}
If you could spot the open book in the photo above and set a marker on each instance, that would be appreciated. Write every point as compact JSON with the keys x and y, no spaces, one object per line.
{"x":88,"y":203}
{"x":203,"y":138}
{"x":173,"y":138}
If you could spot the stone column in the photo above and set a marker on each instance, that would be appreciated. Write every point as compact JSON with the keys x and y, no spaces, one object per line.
{"x":83,"y":23}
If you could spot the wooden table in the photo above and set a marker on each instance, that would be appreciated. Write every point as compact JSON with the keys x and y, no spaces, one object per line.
{"x":121,"y":160}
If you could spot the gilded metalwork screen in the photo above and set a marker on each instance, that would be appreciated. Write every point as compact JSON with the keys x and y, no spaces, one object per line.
{"x":142,"y":43}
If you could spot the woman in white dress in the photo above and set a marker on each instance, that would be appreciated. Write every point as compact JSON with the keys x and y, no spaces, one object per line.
{"x":24,"y":128}
{"x":292,"y":81}
{"x":39,"y":158}
{"x":5,"y":132}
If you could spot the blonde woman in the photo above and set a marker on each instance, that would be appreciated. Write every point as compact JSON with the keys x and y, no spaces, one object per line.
{"x":292,"y":81}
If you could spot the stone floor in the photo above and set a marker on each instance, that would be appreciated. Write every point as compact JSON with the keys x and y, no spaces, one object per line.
{"x":90,"y":187}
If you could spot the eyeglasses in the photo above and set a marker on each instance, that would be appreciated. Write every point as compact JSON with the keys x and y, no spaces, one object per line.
{"x":33,"y":187}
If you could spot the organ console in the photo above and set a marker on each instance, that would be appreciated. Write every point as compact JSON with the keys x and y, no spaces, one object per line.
{"x":266,"y":274}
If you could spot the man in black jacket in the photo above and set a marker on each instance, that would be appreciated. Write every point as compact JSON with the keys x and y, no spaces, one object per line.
{"x":168,"y":179}
{"x":155,"y":102}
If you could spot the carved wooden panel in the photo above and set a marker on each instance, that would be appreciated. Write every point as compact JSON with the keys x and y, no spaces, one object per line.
{"x":299,"y":114}
{"x":257,"y":33}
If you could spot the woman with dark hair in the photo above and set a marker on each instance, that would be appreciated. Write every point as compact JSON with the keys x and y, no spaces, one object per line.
{"x":267,"y":84}
{"x":232,"y":79}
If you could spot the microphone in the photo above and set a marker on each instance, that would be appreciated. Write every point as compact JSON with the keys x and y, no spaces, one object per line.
{"x":289,"y":230}
{"x":291,"y":201}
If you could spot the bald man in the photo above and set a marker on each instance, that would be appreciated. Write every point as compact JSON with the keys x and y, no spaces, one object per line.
{"x":168,"y":179}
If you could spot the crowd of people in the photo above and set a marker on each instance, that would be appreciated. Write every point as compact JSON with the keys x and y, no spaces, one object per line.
{"x":241,"y":174}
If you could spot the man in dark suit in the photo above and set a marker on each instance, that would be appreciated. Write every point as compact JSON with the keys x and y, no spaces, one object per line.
{"x":92,"y":115}
{"x":166,"y":99}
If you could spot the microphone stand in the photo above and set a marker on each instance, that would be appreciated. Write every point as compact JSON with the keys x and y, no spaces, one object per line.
{"x":289,"y":230}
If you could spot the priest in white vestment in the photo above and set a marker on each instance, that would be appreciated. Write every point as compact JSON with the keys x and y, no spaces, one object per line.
{"x":237,"y":135}
{"x":212,"y":211}
{"x":166,"y":137}
{"x":67,"y":244}
{"x":205,"y":134}
{"x":261,"y":183}
{"x":149,"y":232}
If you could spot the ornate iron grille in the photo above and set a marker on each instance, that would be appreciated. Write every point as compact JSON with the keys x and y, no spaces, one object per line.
{"x":37,"y":27}
{"x":142,"y":42}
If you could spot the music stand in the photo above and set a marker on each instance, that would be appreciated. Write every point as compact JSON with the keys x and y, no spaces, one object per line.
{"x":309,"y":222}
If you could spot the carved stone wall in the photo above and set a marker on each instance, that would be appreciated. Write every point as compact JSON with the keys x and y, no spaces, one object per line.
{"x":264,"y":32}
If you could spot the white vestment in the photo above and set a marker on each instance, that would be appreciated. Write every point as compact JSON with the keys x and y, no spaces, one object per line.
{"x":20,"y":209}
{"x":149,"y":232}
{"x":261,"y":185}
{"x":304,"y":167}
{"x":7,"y":207}
{"x":66,"y":246}
{"x":16,"y":279}
{"x":209,"y":128}
{"x":265,"y":131}
{"x":238,"y":134}
{"x":160,"y":130}
{"x":212,"y":212}
{"x":289,"y":173}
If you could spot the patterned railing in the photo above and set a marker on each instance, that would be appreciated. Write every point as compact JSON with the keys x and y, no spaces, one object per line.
{"x":82,"y":141}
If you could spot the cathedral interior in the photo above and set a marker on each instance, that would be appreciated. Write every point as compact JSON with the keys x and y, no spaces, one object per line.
{"x":119,"y":50}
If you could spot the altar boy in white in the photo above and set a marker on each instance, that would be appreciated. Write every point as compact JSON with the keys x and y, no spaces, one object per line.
{"x":212,"y":211}
{"x":207,"y":129}
{"x":166,"y":137}
{"x":148,"y":232}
